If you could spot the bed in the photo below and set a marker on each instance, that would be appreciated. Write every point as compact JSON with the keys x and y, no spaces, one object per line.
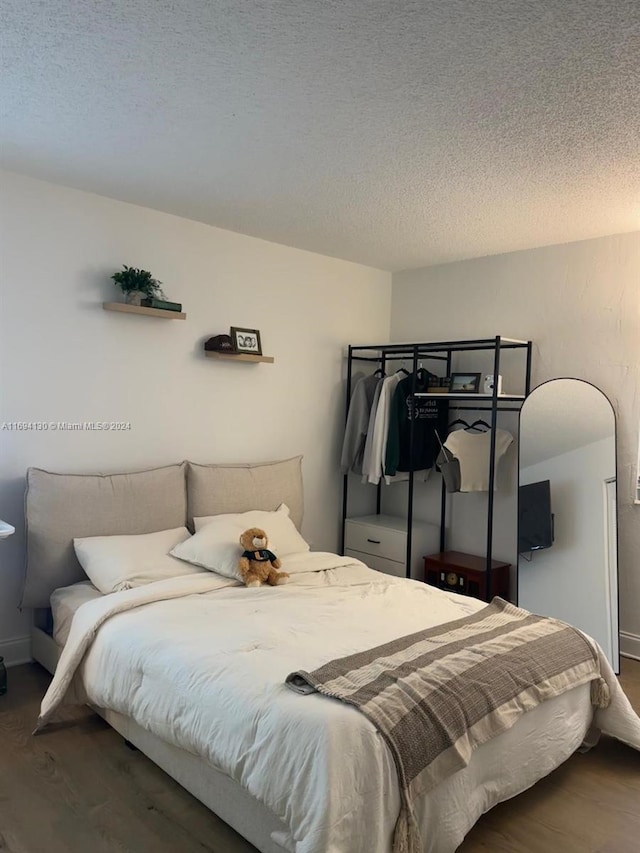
{"x":195,"y":670}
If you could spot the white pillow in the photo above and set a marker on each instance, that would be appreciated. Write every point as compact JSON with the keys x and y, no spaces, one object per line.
{"x":216,"y":546}
{"x":113,"y":563}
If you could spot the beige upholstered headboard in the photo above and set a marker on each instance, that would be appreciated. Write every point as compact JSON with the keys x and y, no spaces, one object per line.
{"x":61,"y":507}
{"x":218,"y":489}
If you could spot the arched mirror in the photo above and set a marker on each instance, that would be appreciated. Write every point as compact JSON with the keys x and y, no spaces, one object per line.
{"x":567,"y":535}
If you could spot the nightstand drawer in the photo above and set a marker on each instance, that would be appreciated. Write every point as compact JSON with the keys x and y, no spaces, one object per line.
{"x":377,"y":540}
{"x":380,"y":564}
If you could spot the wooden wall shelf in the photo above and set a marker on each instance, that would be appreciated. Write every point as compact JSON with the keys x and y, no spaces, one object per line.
{"x":142,"y":309}
{"x":240,"y":356}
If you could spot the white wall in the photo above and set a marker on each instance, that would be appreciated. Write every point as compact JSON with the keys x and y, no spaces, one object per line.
{"x":570,"y":581}
{"x":580,"y":304}
{"x":63,"y":358}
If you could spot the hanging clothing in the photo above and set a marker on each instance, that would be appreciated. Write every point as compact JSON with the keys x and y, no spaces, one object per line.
{"x":374,"y":470}
{"x":473,"y":451}
{"x":355,"y":432}
{"x":449,"y":467}
{"x":428,"y":415}
{"x":366,"y":459}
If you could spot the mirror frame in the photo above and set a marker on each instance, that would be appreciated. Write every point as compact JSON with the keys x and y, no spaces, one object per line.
{"x":616,"y":668}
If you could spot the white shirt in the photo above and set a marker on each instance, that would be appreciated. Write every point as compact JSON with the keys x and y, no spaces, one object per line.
{"x":472,"y":450}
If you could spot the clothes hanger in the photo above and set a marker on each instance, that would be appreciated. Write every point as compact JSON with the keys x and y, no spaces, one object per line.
{"x":444,"y":450}
{"x":479,"y":423}
{"x":459,"y":421}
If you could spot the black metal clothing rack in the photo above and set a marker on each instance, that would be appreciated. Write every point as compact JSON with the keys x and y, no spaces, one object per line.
{"x":494,"y":403}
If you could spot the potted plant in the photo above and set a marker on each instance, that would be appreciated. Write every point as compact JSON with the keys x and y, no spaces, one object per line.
{"x":137,"y":284}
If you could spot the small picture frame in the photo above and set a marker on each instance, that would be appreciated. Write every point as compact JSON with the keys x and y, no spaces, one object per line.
{"x":464,"y":383}
{"x":246,"y":340}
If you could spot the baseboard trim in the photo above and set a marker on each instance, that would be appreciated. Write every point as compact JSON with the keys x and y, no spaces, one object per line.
{"x":629,"y":645}
{"x":16,"y":651}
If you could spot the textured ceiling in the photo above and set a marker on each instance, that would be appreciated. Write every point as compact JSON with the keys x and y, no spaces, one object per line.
{"x":395,"y":133}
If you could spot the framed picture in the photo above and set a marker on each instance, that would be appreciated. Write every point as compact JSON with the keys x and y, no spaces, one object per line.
{"x":464,"y":383}
{"x":246,"y":340}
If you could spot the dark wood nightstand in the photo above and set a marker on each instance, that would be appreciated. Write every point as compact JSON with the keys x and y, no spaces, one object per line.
{"x":466,"y":574}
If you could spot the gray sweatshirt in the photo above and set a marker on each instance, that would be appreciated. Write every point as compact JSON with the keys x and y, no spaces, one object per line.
{"x":355,"y":433}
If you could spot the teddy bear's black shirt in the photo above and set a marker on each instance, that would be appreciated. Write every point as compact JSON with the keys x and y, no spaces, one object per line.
{"x":261,"y":555}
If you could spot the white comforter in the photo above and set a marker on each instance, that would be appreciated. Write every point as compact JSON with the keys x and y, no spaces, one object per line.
{"x":201,"y":661}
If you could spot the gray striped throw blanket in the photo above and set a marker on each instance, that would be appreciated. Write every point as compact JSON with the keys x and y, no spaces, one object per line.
{"x":436,"y":695}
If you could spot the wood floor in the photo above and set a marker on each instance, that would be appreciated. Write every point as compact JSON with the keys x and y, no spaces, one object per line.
{"x":80,"y":789}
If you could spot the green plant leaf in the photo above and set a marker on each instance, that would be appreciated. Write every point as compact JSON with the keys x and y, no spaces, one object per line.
{"x":135,"y":280}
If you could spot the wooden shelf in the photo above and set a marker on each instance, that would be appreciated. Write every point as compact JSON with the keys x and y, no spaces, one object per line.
{"x":240,"y":356}
{"x":142,"y":309}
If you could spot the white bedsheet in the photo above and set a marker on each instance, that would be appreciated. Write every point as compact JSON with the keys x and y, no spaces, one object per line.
{"x":64,"y":602}
{"x":200,"y":661}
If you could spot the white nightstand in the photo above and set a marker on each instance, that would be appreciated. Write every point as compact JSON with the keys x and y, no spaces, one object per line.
{"x":380,"y":541}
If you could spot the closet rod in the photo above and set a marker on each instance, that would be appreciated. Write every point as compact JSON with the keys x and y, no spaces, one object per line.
{"x":397,"y":357}
{"x":482,"y":408}
{"x":444,"y":346}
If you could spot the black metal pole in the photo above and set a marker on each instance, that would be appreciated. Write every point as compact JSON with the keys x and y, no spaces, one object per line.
{"x":411,"y":409}
{"x":443,"y":516}
{"x":492,"y":466}
{"x":383,"y":365}
{"x":439,"y":346}
{"x":515,"y":596}
{"x":345,"y":479}
{"x":443,"y":495}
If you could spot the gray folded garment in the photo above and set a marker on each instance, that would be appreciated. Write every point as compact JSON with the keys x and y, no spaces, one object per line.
{"x":450,"y":468}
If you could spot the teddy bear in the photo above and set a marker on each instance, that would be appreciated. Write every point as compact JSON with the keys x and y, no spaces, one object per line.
{"x":257,"y":564}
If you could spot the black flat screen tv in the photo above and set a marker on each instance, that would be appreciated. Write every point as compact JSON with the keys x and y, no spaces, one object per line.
{"x":535,"y":519}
